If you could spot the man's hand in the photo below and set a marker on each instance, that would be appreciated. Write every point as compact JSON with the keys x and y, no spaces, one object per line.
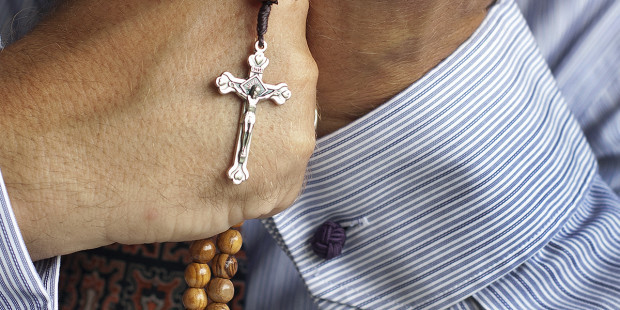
{"x":113,"y":129}
{"x":366,"y":59}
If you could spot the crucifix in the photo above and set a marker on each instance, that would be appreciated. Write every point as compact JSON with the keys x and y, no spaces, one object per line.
{"x":252,"y":90}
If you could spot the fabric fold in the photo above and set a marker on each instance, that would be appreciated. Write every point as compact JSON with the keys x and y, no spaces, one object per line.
{"x":463,"y":177}
{"x":23,"y":284}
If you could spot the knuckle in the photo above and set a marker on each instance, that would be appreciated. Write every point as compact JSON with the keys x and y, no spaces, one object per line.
{"x":302,"y":68}
{"x":306,"y":148}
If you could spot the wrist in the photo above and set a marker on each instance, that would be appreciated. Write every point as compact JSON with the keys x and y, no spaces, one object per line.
{"x":55,"y":214}
{"x":385,"y":52}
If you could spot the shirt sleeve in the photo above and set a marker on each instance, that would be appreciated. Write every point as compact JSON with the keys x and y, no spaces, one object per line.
{"x":473,"y":187}
{"x":580,"y":41}
{"x":24,"y":284}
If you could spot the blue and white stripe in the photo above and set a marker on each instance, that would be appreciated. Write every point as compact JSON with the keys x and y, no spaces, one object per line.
{"x":581,"y":42}
{"x":578,"y":269}
{"x":474,"y":188}
{"x":466,"y":177}
{"x":22,"y":285}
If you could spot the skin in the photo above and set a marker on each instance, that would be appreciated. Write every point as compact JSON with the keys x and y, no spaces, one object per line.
{"x":113,"y":131}
{"x":366,"y":58}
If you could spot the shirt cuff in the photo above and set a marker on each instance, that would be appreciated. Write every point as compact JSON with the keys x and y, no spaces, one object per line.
{"x":448,"y":186}
{"x":24,"y":284}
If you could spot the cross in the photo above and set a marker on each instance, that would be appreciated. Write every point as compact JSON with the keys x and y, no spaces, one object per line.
{"x":252,"y":90}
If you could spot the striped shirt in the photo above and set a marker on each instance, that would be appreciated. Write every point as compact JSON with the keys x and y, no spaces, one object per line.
{"x":473,"y":188}
{"x":478,"y":187}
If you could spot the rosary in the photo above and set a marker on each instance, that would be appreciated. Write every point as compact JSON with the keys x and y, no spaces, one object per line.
{"x":252,"y":90}
{"x":205,"y":291}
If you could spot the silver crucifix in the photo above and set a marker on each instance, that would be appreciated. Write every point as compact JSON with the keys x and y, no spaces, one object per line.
{"x":252,"y":90}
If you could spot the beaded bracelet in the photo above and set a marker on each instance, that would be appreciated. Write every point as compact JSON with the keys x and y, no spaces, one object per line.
{"x":198,"y":274}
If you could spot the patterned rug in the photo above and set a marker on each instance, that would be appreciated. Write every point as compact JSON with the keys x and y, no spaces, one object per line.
{"x":129,"y":277}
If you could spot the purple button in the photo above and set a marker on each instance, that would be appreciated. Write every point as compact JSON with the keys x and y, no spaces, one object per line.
{"x":328,"y":240}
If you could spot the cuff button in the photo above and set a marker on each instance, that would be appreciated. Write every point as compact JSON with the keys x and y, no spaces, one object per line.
{"x":328,"y":240}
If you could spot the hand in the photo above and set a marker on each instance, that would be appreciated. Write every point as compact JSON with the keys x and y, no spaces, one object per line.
{"x":113,"y":129}
{"x":366,"y":59}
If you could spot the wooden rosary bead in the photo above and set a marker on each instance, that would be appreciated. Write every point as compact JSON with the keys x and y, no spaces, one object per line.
{"x":229,"y":242}
{"x":217,"y":306}
{"x":237,"y":226}
{"x":202,"y":251}
{"x":195,"y":299}
{"x":197,"y":275}
{"x":224,"y":266}
{"x":220,"y":290}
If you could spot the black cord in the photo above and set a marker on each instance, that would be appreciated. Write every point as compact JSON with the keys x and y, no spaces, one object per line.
{"x":263,"y":18}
